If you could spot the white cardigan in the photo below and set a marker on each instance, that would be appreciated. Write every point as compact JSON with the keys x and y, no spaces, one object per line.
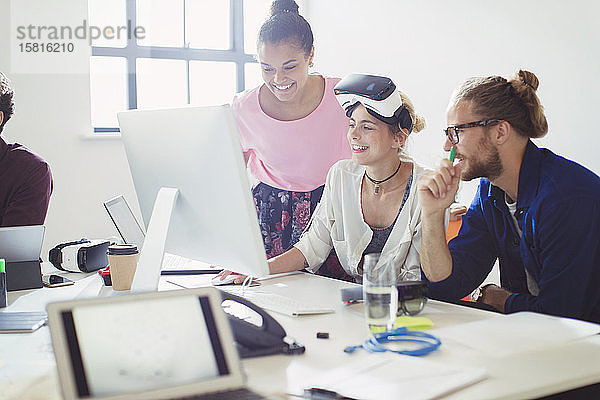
{"x":338,"y":223}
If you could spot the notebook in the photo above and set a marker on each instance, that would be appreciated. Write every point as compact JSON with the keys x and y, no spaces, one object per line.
{"x":135,"y":347}
{"x":21,"y":322}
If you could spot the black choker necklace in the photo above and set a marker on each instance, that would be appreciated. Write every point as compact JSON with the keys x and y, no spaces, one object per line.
{"x":377,"y":183}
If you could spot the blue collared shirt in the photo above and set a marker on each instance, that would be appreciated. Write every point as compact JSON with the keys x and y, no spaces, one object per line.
{"x":558,"y":212}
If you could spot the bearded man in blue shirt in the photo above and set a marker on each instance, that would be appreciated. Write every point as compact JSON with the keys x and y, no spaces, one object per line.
{"x":534,"y":211}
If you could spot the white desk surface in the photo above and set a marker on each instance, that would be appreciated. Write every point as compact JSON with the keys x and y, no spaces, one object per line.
{"x":27,"y":367}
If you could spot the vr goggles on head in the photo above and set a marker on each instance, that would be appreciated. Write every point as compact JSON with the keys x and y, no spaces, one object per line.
{"x":379,"y":96}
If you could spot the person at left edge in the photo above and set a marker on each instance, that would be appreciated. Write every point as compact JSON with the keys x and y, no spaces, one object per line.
{"x":292,"y":129}
{"x":25,"y":178}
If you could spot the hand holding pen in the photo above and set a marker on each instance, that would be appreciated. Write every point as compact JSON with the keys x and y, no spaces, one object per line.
{"x":437,"y":190}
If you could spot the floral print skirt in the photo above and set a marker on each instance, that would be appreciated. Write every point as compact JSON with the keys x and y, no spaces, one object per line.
{"x":283,"y":215}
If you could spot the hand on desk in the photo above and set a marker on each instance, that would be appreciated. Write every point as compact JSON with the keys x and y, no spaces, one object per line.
{"x":291,"y":260}
{"x":227,"y":277}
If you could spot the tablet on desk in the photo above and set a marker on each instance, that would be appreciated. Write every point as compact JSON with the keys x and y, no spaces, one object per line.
{"x":144,"y":350}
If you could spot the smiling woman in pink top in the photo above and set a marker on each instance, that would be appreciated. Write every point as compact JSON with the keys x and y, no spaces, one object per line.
{"x":292,"y":129}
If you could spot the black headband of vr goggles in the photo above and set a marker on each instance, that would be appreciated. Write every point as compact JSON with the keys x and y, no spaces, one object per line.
{"x":401,"y":117}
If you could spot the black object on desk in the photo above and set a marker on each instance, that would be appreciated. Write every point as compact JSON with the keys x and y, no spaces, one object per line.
{"x":3,"y":294}
{"x":475,"y":304}
{"x":352,"y":294}
{"x":322,"y":394}
{"x":105,"y":274}
{"x":256,"y":341}
{"x":23,"y":275}
{"x":190,"y":271}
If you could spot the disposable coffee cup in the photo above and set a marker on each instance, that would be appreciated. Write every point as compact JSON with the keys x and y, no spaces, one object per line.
{"x":122,"y":259}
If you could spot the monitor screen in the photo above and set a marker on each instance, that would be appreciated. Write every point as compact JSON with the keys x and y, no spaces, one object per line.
{"x":125,"y":221}
{"x":196,"y":150}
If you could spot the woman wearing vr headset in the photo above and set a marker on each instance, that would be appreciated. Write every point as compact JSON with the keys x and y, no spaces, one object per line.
{"x":292,"y":129}
{"x":369,"y":203}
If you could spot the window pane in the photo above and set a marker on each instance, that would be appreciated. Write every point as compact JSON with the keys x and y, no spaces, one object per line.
{"x":108,"y":87}
{"x":108,"y":15}
{"x":207,"y":24}
{"x":211,"y":82}
{"x":252,"y":75}
{"x":255,"y":13}
{"x":162,"y":21}
{"x":161,"y":83}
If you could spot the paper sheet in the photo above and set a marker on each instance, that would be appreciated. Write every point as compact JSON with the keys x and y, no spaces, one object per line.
{"x":505,"y":335}
{"x":383,"y":376}
{"x":175,"y":262}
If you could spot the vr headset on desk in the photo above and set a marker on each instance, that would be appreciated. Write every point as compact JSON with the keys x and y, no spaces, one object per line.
{"x":80,"y":256}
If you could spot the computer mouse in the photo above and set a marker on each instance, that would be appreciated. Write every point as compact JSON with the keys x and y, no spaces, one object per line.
{"x":228,"y":280}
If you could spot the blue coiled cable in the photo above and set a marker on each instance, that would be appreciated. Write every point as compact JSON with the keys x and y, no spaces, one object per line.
{"x":375,"y":343}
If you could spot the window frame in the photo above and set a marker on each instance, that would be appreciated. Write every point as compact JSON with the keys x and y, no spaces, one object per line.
{"x":132,"y":51}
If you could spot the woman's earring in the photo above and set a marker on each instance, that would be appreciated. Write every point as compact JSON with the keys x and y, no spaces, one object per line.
{"x":310,"y":64}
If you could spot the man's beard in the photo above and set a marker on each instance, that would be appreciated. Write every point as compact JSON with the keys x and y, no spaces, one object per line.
{"x":490,"y":167}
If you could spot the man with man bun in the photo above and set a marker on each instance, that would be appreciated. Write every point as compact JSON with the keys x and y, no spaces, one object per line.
{"x":25,"y":178}
{"x":537,"y":212}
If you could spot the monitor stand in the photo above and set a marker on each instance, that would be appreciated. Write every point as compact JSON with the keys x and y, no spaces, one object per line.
{"x":150,"y":261}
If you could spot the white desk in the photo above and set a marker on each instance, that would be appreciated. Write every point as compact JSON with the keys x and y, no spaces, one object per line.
{"x":27,"y":369}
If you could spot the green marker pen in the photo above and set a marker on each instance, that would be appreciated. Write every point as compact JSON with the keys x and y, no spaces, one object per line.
{"x":452,"y":155}
{"x":3,"y":294}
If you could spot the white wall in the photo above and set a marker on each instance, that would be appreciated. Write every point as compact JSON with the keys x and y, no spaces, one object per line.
{"x":427,"y":47}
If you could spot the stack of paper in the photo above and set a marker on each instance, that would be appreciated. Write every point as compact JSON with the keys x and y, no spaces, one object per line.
{"x":505,"y":335}
{"x":385,"y":376}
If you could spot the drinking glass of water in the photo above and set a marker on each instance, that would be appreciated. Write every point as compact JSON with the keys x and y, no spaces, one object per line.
{"x":379,"y":294}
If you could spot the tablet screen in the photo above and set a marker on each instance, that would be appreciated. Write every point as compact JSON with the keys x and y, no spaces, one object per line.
{"x":127,"y":347}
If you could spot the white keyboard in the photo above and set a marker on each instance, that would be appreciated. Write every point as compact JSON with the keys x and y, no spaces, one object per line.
{"x":278,"y":303}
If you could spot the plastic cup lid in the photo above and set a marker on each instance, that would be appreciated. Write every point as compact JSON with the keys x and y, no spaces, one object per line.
{"x":122,"y":249}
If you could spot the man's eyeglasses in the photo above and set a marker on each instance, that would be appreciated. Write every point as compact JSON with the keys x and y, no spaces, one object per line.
{"x":453,"y":131}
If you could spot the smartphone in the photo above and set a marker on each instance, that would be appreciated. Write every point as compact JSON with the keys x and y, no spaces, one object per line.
{"x":55,"y":281}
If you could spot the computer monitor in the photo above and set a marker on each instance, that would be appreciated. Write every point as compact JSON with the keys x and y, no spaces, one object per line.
{"x":192,"y":187}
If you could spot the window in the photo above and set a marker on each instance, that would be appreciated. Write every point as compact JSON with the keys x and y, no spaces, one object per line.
{"x":196,"y":52}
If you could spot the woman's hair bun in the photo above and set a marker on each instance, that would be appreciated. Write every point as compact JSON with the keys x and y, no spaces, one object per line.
{"x":279,"y":6}
{"x":528,"y":78}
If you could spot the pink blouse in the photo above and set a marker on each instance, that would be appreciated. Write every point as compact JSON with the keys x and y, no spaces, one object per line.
{"x":292,"y":155}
